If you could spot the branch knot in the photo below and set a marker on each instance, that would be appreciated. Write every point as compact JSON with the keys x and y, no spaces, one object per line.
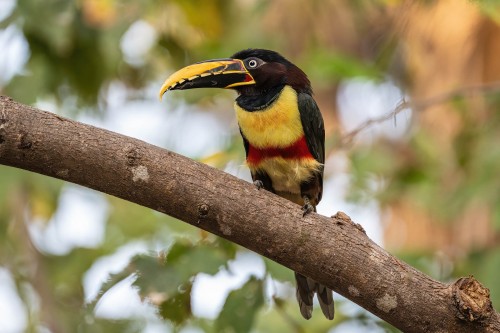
{"x":203,"y":210}
{"x":472,"y":299}
{"x":343,"y":218}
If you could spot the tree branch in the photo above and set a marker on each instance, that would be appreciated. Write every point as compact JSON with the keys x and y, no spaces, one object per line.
{"x":334,"y":251}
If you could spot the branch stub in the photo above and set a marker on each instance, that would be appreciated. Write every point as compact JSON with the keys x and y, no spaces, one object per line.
{"x":472,"y":299}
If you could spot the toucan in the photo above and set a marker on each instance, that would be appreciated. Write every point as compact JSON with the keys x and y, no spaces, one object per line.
{"x":282,"y":130}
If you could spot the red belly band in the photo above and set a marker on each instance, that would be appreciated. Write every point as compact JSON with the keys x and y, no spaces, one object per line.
{"x":297,"y":150}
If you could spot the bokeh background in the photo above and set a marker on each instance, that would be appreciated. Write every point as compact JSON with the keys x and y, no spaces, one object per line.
{"x":425,"y":183}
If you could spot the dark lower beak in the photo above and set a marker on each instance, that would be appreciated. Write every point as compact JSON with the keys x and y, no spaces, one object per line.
{"x":217,"y":73}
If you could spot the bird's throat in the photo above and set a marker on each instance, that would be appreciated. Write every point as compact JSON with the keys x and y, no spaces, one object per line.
{"x":252,"y":99}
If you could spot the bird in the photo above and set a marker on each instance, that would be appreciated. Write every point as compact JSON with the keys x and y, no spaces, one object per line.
{"x":283,"y":134}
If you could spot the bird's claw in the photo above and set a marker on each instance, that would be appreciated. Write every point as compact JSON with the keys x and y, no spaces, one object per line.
{"x":259,"y":184}
{"x":307,"y":208}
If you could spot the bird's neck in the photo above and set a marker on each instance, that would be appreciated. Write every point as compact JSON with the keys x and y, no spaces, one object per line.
{"x":253,"y":99}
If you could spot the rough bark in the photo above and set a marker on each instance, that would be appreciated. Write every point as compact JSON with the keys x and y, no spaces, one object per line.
{"x":334,"y":251}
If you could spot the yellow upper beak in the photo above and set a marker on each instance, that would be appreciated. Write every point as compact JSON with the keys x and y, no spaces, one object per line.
{"x":217,"y":73}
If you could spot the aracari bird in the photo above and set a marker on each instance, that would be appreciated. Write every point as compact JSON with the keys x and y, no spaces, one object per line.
{"x":282,"y":130}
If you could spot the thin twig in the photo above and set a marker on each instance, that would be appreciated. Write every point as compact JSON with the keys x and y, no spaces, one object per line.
{"x":422,"y":105}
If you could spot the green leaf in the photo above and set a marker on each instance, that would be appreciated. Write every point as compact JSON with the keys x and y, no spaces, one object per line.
{"x":183,"y":261}
{"x":188,"y":259}
{"x":178,"y":307}
{"x":154,"y":276}
{"x":241,"y":307}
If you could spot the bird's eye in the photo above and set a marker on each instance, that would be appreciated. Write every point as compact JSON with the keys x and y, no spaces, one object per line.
{"x":252,"y":63}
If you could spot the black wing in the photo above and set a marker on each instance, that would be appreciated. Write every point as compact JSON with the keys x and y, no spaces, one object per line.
{"x":314,"y":132}
{"x":314,"y":128}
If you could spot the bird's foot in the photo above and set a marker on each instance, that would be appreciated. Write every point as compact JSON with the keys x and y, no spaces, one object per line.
{"x":259,"y":184}
{"x":308,"y":207}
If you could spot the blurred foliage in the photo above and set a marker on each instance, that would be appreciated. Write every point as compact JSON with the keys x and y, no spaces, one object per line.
{"x":241,"y":306}
{"x":79,"y":49}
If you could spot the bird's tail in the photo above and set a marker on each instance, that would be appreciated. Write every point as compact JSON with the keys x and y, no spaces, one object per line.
{"x":306,"y":288}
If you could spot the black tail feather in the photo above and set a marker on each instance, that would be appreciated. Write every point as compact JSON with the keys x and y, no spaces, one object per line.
{"x":306,"y":288}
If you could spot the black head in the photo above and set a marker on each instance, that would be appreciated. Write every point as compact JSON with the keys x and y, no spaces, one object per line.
{"x":269,"y":70}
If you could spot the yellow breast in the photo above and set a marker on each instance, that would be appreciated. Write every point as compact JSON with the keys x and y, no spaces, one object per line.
{"x":277,"y":126}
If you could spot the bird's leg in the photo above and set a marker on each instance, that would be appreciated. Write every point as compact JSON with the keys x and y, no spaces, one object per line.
{"x":259,"y":184}
{"x":308,"y":207}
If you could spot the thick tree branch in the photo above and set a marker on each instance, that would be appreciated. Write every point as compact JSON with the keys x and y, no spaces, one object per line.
{"x":334,"y":251}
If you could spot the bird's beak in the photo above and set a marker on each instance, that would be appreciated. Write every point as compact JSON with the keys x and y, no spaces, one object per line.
{"x":217,"y":73}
